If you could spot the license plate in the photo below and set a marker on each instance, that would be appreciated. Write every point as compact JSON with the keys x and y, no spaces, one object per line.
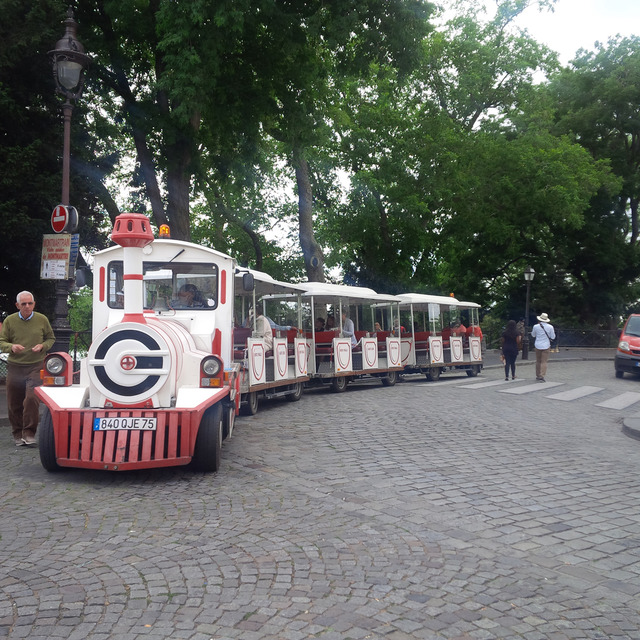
{"x":124,"y":424}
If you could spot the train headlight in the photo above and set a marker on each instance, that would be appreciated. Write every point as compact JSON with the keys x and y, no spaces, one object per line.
{"x":58,"y":370}
{"x":211,"y":372}
{"x":54,"y":365}
{"x":211,"y":366}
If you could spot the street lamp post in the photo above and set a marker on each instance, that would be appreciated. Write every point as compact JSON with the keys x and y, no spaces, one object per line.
{"x":529,"y":273}
{"x":69,"y":63}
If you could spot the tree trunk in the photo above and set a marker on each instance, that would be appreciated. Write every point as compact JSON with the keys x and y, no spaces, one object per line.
{"x":313,"y":257}
{"x":178,"y":190}
{"x":148,"y":170}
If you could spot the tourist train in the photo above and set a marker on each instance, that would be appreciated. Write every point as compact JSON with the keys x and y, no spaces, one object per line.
{"x":184,"y":340}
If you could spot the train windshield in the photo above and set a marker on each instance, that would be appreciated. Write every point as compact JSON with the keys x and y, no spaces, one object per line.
{"x":169,"y":286}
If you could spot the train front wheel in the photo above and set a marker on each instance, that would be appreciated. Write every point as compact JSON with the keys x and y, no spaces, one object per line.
{"x":47,"y":443}
{"x":229,"y":420}
{"x":206,"y":456}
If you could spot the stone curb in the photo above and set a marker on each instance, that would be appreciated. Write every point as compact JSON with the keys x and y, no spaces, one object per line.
{"x":631,"y":427}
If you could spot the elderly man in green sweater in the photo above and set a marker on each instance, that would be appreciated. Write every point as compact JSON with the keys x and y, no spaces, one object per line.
{"x":26,"y":336}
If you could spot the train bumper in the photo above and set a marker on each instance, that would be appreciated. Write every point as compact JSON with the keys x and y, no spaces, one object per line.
{"x":78,"y":444}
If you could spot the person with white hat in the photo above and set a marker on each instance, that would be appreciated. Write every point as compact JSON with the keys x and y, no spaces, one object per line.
{"x":543,"y":333}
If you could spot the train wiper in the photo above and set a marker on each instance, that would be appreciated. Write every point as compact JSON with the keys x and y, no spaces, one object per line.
{"x":177,"y":254}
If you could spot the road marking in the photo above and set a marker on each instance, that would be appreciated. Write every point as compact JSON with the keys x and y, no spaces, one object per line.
{"x":532,"y":388}
{"x":622,"y":401}
{"x":574,"y":394}
{"x":484,"y":385}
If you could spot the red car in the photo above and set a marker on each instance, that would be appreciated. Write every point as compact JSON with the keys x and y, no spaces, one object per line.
{"x":628,"y":354}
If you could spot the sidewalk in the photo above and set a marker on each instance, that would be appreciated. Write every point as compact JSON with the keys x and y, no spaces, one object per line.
{"x":491,"y":360}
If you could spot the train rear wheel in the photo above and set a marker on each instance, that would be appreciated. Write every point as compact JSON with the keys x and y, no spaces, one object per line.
{"x":297,"y":393}
{"x":206,"y":456}
{"x":339,"y":384}
{"x":433,"y":374}
{"x":250,"y":406}
{"x":473,"y":371}
{"x":47,"y":443}
{"x":390,"y":379}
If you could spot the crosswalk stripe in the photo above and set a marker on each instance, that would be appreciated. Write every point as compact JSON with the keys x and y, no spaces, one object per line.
{"x":574,"y":394}
{"x":531,"y":388}
{"x":484,"y":385}
{"x":621,"y":401}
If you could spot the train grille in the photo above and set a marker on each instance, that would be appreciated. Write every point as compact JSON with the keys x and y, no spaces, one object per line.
{"x":78,"y":445}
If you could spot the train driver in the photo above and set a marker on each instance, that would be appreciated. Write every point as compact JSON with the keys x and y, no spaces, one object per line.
{"x":188,"y":296}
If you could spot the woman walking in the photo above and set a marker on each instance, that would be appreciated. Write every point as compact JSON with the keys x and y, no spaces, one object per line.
{"x":510,"y":341}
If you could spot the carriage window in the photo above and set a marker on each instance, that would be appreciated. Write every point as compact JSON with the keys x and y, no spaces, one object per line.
{"x":169,"y":286}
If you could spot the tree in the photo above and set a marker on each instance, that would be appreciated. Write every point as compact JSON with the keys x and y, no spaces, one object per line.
{"x":31,"y":137}
{"x":596,"y":103}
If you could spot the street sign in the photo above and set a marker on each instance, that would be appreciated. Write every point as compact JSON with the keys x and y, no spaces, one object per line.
{"x":59,"y":218}
{"x":64,"y":219}
{"x":54,"y":263}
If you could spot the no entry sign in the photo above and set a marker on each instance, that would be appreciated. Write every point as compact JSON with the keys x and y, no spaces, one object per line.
{"x":64,"y":219}
{"x":59,"y":218}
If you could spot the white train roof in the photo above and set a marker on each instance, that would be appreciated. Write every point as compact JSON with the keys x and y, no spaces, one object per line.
{"x":328,"y":292}
{"x":164,"y":249}
{"x":265,"y":285}
{"x":418,"y":299}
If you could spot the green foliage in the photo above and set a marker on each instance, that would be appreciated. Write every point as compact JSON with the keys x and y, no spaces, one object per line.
{"x":81,"y":309}
{"x":423,"y":160}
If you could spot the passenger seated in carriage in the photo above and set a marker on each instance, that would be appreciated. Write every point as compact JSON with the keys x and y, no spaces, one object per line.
{"x":459,"y":330}
{"x":319,"y":324}
{"x":398,"y":329}
{"x":263,"y":330}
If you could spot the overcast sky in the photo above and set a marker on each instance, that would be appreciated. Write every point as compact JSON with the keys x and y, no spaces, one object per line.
{"x":578,"y":24}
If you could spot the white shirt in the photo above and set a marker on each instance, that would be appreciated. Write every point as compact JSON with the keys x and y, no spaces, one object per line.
{"x":349,"y":331}
{"x":543,"y":340}
{"x":263,"y":330}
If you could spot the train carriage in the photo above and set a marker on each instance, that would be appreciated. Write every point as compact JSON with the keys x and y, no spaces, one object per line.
{"x":338,"y":355}
{"x":275,"y":365}
{"x":159,"y":386}
{"x":435,"y":338}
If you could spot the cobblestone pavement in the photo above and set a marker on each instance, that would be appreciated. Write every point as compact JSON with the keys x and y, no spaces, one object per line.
{"x":426,"y":510}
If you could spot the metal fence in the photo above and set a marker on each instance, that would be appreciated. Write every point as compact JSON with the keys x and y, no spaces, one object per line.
{"x":583,"y":338}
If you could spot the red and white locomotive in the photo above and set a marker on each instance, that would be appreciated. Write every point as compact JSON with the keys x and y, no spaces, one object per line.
{"x":158,"y":386}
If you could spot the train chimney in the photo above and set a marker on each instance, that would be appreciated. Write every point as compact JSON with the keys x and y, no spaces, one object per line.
{"x":132,"y":231}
